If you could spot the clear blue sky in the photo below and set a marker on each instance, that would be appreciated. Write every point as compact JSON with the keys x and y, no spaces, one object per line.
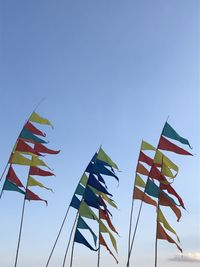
{"x":111,"y":72}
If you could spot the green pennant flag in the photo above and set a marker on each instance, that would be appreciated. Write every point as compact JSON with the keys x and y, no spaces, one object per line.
{"x":105,"y":158}
{"x":9,"y":186}
{"x":169,"y":132}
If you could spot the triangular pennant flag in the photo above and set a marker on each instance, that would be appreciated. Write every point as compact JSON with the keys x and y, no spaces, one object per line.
{"x":138,"y":194}
{"x":103,"y":243}
{"x":104,"y":229}
{"x":80,"y":190}
{"x":165,"y":144}
{"x":31,"y":128}
{"x":83,"y":225}
{"x":169,"y":132}
{"x":84,"y":179}
{"x":171,"y":190}
{"x":39,"y":172}
{"x":33,"y":182}
{"x":75,"y":202}
{"x":161,"y":234}
{"x":21,"y":146}
{"x":139,"y":182}
{"x":79,"y":238}
{"x":166,"y":201}
{"x":9,"y":186}
{"x":25,"y":134}
{"x":35,"y":117}
{"x":43,"y":149}
{"x":32,"y":196}
{"x":142,"y":170}
{"x":12,"y":177}
{"x":162,"y":219}
{"x":86,"y":212}
{"x":92,"y":181}
{"x":147,"y":146}
{"x":91,"y":199}
{"x":17,"y":158}
{"x":160,"y":158}
{"x":105,"y":158}
{"x":144,"y":158}
{"x":103,"y":214}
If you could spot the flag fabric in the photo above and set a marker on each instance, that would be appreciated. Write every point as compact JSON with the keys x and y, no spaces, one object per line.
{"x":103,"y":243}
{"x":31,"y":128}
{"x":169,"y":132}
{"x":83,"y":225}
{"x":165,"y":144}
{"x":25,"y":134}
{"x":37,"y":171}
{"x":9,"y":186}
{"x":35,"y":117}
{"x":139,"y":182}
{"x":162,"y":219}
{"x":161,"y":234}
{"x":43,"y":149}
{"x":165,"y":201}
{"x":171,"y":190}
{"x":32,"y":196}
{"x":33,"y":182}
{"x":103,"y":214}
{"x":12,"y":177}
{"x":144,"y":158}
{"x":147,"y":146}
{"x":79,"y":238}
{"x":142,"y":170}
{"x":138,"y":194}
{"x":105,"y":158}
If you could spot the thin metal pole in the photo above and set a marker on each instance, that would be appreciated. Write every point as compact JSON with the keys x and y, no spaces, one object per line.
{"x":70,"y":240}
{"x":99,"y":251}
{"x":20,"y":233}
{"x":134,"y":234}
{"x":57,"y":237}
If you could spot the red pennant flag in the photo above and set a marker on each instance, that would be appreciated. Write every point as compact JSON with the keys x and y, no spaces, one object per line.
{"x":144,"y":158}
{"x":103,"y":214}
{"x":156,"y":174}
{"x":164,"y":201}
{"x":138,"y":194}
{"x":12,"y":177}
{"x":103,"y":243}
{"x":23,"y":147}
{"x":171,"y":190}
{"x":32,"y":196}
{"x":142,"y":170}
{"x":41,"y":148}
{"x":29,"y":126}
{"x":161,"y":234}
{"x":165,"y":144}
{"x":39,"y":172}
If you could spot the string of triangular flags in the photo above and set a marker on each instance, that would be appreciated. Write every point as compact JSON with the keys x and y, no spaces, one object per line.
{"x":90,"y":199}
{"x":159,"y":181}
{"x":27,"y":151}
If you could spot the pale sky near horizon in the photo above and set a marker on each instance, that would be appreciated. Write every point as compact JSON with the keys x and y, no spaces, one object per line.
{"x":111,"y":73}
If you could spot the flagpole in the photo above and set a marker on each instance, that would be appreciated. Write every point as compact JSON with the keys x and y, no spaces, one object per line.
{"x":75,"y":221}
{"x":156,"y":242}
{"x":139,"y":213}
{"x":21,"y":224}
{"x":99,"y":251}
{"x":65,"y":217}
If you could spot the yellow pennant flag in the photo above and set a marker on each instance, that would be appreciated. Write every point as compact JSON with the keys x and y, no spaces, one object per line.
{"x":161,"y":158}
{"x":86,"y":212}
{"x":84,"y":179}
{"x":33,"y":182}
{"x":17,"y":158}
{"x":37,"y":118}
{"x":162,"y":219}
{"x":147,"y":146}
{"x":104,"y":157}
{"x":139,"y":182}
{"x":104,"y":229}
